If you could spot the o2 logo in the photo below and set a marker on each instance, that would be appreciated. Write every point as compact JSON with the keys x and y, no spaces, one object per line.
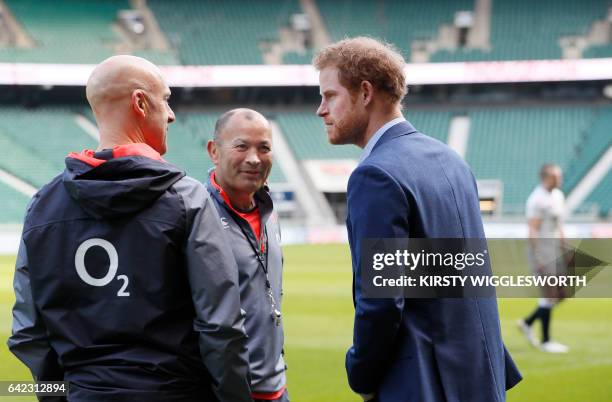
{"x":79,"y":262}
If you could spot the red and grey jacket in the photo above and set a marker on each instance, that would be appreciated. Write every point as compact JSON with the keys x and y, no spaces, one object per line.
{"x":125,"y":285}
{"x":256,"y":254}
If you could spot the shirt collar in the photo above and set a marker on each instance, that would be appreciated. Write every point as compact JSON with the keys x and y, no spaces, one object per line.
{"x":374,"y":139}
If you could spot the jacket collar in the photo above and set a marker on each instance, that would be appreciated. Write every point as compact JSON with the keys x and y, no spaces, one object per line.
{"x":262,"y":197}
{"x":91,"y":158}
{"x":376,"y":136}
{"x":402,"y":128}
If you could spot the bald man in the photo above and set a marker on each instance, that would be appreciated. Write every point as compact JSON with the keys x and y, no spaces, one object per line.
{"x":125,"y":286}
{"x":242,"y":153}
{"x":545,"y":212}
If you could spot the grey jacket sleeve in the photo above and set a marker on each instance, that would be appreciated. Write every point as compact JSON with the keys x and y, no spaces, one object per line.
{"x":213,"y":276}
{"x":29,"y":341}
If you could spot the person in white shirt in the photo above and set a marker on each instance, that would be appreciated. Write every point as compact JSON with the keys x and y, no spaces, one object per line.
{"x":545,"y":210}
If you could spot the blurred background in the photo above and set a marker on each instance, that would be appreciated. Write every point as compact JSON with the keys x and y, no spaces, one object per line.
{"x":509,"y":85}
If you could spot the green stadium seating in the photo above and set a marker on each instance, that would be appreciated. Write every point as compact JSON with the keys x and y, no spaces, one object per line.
{"x":396,"y":21}
{"x":298,"y":58}
{"x":597,"y":51}
{"x":434,"y":123}
{"x":602,"y":196}
{"x":20,"y":162}
{"x":13,"y":204}
{"x":530,"y":30}
{"x":512,"y":144}
{"x":39,"y":140}
{"x":186,"y":139}
{"x":506,"y":144}
{"x":594,"y":142}
{"x":71,"y":31}
{"x":306,"y":135}
{"x":210,"y":32}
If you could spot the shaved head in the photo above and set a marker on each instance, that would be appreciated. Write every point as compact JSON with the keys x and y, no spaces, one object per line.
{"x":117,"y":76}
{"x":237,"y":117}
{"x":129,"y":99}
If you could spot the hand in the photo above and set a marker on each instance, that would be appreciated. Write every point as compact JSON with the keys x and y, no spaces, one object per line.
{"x":367,"y":397}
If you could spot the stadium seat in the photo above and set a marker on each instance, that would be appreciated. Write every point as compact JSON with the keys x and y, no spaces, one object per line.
{"x":601,"y":196}
{"x":306,"y":135}
{"x":13,"y":204}
{"x":512,"y":144}
{"x":594,"y":142}
{"x":298,"y":58}
{"x":598,"y":51}
{"x":531,"y":30}
{"x":71,"y":31}
{"x":396,"y":21}
{"x":39,"y":140}
{"x":209,"y":32}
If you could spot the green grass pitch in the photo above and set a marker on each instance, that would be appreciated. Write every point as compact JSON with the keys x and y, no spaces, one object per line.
{"x":318,"y":318}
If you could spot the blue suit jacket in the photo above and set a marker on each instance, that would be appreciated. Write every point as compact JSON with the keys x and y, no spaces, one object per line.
{"x":421,"y":350}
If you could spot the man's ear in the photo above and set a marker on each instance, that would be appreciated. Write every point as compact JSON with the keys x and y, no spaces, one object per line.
{"x":139,"y":102}
{"x":367,"y":92}
{"x":211,"y":147}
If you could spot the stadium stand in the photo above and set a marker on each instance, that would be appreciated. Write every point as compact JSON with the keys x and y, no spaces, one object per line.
{"x":598,"y":51}
{"x":71,"y":31}
{"x":531,"y":30}
{"x":520,"y":139}
{"x":187,"y":138}
{"x":594,"y":142}
{"x":13,"y":204}
{"x":208,"y":32}
{"x":306,"y":134}
{"x":396,"y":21}
{"x":512,"y":144}
{"x":505,"y":143}
{"x":52,"y":134}
{"x":21,"y":163}
{"x":601,"y":196}
{"x":434,"y":123}
{"x":39,"y":140}
{"x":298,"y":58}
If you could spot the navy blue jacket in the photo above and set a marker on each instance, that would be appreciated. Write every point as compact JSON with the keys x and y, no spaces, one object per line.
{"x":421,"y":350}
{"x":126,"y":287}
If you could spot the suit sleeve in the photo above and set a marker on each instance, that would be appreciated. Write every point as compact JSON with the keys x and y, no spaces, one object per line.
{"x":378,"y":208}
{"x":213,"y":277}
{"x":29,"y":340}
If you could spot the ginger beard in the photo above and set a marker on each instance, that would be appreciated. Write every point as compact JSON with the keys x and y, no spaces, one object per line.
{"x":348,"y":128}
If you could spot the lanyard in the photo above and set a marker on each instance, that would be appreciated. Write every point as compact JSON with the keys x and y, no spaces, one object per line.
{"x":274,"y":311}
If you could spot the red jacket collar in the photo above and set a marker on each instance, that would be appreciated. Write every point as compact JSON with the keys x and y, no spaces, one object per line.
{"x":137,"y":149}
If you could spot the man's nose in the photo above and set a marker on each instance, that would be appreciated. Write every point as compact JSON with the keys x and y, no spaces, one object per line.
{"x":171,"y":116}
{"x":252,"y":157}
{"x":322,"y":110}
